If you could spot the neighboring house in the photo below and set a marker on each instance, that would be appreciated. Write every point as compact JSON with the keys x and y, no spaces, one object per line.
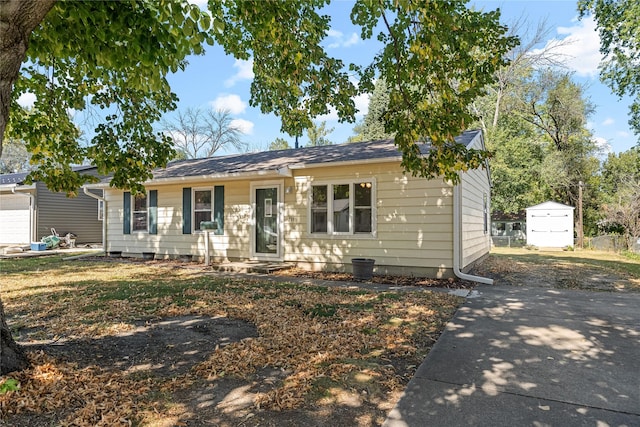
{"x":550,"y":224}
{"x":29,"y":212}
{"x":508,"y":229}
{"x":317,"y":207}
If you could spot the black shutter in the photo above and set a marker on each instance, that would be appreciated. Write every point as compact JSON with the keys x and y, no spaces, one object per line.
{"x":186,"y":210}
{"x":153,"y":212}
{"x":126,"y":220}
{"x":218,"y":208}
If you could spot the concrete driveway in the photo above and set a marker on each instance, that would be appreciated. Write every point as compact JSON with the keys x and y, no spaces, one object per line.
{"x":531,"y":356}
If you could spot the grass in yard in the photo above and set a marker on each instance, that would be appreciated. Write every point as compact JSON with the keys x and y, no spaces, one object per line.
{"x":325,"y":339}
{"x":619,"y":263}
{"x":581,"y":269}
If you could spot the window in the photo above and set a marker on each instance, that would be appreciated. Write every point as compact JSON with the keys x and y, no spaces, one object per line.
{"x":140,"y":213}
{"x":202,"y":207}
{"x":100,"y":210}
{"x":319,"y":206}
{"x":342,"y":208}
{"x":363,"y":207}
{"x":517,"y":226}
{"x":202,"y":204}
{"x":486,"y":212}
{"x":341,"y":223}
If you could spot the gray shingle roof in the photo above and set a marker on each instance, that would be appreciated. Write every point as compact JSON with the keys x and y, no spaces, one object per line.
{"x":292,"y":158}
{"x":12,"y":178}
{"x":18,"y":178}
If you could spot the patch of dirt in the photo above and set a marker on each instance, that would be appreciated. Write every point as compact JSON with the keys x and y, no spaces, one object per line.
{"x":163,"y":348}
{"x":154,"y":352}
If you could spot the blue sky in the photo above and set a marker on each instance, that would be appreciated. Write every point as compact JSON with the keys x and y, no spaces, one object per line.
{"x":219,"y":81}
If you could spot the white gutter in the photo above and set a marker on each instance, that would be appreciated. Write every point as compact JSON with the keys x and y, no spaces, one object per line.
{"x":457,"y":240}
{"x":199,"y":178}
{"x":104,"y":216}
{"x":331,"y":163}
{"x":31,"y":206}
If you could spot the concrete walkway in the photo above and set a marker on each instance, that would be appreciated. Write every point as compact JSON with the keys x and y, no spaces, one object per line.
{"x":528,"y":356}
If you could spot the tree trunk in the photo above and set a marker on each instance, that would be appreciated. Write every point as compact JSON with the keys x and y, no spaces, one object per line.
{"x":12,"y":356}
{"x":18,"y":18}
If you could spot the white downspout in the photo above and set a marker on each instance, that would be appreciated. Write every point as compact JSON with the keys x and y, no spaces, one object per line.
{"x":104,"y":216}
{"x":457,"y":240}
{"x":31,"y":205}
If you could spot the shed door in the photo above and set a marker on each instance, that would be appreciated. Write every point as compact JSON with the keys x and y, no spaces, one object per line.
{"x":15,"y":217}
{"x":551,"y":229}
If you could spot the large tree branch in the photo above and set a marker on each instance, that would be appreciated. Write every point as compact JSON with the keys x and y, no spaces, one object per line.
{"x":18,"y":18}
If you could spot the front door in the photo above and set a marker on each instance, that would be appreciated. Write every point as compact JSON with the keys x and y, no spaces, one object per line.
{"x":267,"y":223}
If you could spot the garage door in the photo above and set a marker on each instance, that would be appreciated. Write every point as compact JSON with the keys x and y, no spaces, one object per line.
{"x":14,"y":219}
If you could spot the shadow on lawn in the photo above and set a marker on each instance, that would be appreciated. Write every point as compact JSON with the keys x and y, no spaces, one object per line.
{"x":168,"y":347}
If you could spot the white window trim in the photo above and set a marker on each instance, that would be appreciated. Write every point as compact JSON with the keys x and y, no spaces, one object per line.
{"x":133,"y":214}
{"x":341,"y":234}
{"x":193,"y":207}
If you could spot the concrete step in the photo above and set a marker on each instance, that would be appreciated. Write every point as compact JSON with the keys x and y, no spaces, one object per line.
{"x":250,"y":267}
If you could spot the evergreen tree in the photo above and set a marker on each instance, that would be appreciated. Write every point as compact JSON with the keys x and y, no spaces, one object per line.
{"x":279,"y":144}
{"x":317,"y":134}
{"x":372,"y":126}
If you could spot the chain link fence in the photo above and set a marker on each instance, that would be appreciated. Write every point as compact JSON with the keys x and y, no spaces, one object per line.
{"x":508,"y":241}
{"x":612,"y":243}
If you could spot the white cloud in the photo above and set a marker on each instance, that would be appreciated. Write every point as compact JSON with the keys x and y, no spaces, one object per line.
{"x":245,"y":126}
{"x":579,"y":46}
{"x":623,"y":134}
{"x":332,"y":115}
{"x":362,"y":104}
{"x":231,"y":103}
{"x":608,"y":121}
{"x":602,"y":144}
{"x":245,"y":72}
{"x":353,"y":40}
{"x":338,"y":39}
{"x":26,"y":100}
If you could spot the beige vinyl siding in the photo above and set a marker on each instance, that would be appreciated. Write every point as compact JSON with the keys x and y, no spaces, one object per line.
{"x":77,"y":215}
{"x":476,"y":241}
{"x":170,"y":241}
{"x":413,"y":223}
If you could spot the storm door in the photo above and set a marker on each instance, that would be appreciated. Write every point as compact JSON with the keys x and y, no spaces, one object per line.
{"x":267,"y":222}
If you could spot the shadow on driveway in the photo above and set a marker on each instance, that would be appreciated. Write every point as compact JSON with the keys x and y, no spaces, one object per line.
{"x":531,"y":356}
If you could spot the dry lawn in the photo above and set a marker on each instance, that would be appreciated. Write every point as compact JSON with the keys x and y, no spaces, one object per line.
{"x":580,"y":269}
{"x":319,"y":356}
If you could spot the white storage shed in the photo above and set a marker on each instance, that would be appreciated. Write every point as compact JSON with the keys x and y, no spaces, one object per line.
{"x":550,"y":224}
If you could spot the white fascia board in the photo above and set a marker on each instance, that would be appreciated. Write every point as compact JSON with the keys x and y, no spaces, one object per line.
{"x":16,"y":187}
{"x":199,"y":178}
{"x":299,"y":166}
